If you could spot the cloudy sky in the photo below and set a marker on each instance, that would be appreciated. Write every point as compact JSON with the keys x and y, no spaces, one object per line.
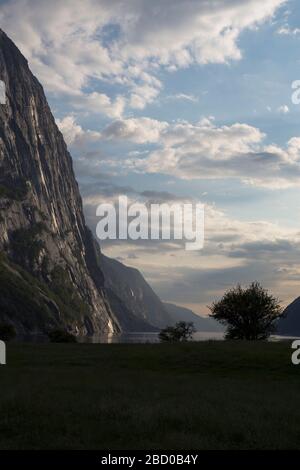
{"x":180,"y":100}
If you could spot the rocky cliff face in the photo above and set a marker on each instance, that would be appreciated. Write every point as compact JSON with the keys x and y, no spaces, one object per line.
{"x":42,"y":227}
{"x":129,"y":285}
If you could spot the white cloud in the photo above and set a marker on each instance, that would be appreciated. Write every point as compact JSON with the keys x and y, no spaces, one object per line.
{"x":70,"y":43}
{"x":184,"y":97}
{"x":142,"y":95}
{"x":206,"y":151}
{"x":224,"y":235}
{"x":99,"y":103}
{"x":139,"y":130}
{"x":287,"y":31}
{"x":74,"y":134}
{"x":197,"y":151}
{"x":284,"y":109}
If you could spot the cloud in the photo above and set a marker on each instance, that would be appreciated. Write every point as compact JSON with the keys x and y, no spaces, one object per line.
{"x":139,"y":130}
{"x":73,"y":43}
{"x":184,"y":97}
{"x":206,"y":151}
{"x":225,"y":236}
{"x":287,"y":31}
{"x":195,"y":151}
{"x":99,"y":103}
{"x":234,"y":251}
{"x":142,"y":95}
{"x":284,"y":109}
{"x":74,"y":134}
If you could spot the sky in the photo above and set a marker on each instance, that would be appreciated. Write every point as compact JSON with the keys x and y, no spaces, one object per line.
{"x":185,"y":101}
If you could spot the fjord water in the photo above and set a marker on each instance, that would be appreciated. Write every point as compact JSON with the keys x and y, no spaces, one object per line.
{"x":150,"y":337}
{"x":140,"y":338}
{"x":147,"y":337}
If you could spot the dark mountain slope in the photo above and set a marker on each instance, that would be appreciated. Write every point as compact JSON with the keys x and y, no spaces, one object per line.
{"x":130,"y":286}
{"x":178,"y":313}
{"x":289,"y":324}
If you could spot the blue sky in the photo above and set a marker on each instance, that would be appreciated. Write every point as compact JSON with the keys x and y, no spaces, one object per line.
{"x":192,"y":99}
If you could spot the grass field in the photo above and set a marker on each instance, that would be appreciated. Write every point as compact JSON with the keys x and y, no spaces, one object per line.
{"x":209,"y":395}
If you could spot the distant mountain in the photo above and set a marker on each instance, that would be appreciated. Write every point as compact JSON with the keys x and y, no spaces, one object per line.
{"x":289,"y":324}
{"x":129,"y":285}
{"x":178,"y":313}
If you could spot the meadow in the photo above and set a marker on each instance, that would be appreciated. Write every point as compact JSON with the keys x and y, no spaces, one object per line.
{"x":205,"y":395}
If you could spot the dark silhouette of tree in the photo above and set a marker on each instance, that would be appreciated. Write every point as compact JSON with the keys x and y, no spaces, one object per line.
{"x":249,"y":313}
{"x":182,"y":331}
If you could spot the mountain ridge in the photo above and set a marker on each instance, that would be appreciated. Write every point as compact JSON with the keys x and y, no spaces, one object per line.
{"x":204,"y":324}
{"x":289,"y":324}
{"x":135,"y":292}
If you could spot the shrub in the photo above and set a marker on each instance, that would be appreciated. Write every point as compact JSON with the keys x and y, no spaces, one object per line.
{"x":182,"y":331}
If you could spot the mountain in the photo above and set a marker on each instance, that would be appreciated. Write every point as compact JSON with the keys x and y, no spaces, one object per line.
{"x":289,"y":324}
{"x":184,"y":314}
{"x":50,"y":268}
{"x":130,"y":286}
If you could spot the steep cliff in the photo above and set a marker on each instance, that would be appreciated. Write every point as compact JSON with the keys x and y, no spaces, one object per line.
{"x":130,"y":286}
{"x":42,"y":227}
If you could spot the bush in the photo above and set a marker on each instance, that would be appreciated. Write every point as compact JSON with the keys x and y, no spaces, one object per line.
{"x":61,"y":336}
{"x":182,"y":331}
{"x":249,"y":313}
{"x":7,"y":332}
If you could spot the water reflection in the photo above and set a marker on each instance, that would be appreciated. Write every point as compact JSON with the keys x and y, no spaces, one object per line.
{"x":139,"y":337}
{"x":145,"y":337}
{"x":122,"y":338}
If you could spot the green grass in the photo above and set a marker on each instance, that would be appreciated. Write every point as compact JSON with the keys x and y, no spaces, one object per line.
{"x":212,"y":395}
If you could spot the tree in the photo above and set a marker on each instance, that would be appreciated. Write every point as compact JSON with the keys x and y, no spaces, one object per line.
{"x":182,"y":331}
{"x":249,"y":313}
